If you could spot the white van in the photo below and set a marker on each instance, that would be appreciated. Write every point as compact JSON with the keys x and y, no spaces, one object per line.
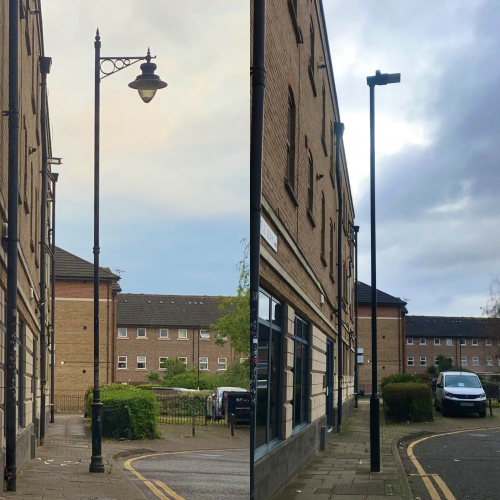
{"x":460,"y":391}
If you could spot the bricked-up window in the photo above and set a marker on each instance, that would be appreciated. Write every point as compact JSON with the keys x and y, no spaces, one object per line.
{"x":141,"y":362}
{"x":184,"y":360}
{"x":203,"y":363}
{"x":331,"y":248}
{"x":475,"y":361}
{"x":300,"y":371}
{"x":163,"y":333}
{"x":311,"y":46}
{"x":162,"y":360}
{"x":449,"y":341}
{"x":122,"y":333}
{"x":182,"y":334}
{"x":488,"y":342}
{"x":489,"y":361}
{"x":323,"y":115}
{"x":463,"y":361}
{"x":409,"y":341}
{"x":475,"y":342}
{"x":222,"y":362}
{"x":122,"y":362}
{"x":423,"y":361}
{"x":463,"y":342}
{"x":141,"y":333}
{"x":204,"y":334}
{"x":290,"y":144}
{"x":437,"y":341}
{"x":323,"y":227}
{"x":310,"y":189}
{"x":410,"y":361}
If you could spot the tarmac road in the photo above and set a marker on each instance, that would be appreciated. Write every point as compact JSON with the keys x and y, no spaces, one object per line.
{"x":194,"y":475}
{"x":468,"y":463}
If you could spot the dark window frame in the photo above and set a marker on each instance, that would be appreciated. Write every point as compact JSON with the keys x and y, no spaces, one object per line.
{"x":305,"y":345}
{"x":291,"y":148}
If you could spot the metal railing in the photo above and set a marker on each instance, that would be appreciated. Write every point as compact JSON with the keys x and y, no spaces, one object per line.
{"x":69,"y":403}
{"x":179,"y":409}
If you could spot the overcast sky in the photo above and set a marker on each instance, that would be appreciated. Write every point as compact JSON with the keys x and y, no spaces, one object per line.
{"x":174,"y":172}
{"x":437,"y":153}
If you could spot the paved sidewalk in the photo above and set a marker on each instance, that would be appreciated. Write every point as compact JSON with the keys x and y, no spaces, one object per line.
{"x":61,"y":469}
{"x":342,"y":471}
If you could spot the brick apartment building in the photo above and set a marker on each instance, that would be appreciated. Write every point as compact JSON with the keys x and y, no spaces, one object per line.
{"x":299,"y":265}
{"x":31,"y":141}
{"x":153,"y":328}
{"x":74,"y":323}
{"x":473,"y":343}
{"x":391,"y":348}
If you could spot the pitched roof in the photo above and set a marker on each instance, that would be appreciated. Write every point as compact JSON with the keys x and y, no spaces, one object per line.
{"x":167,"y":310}
{"x":444,"y":326}
{"x":69,"y":266}
{"x":365,"y":296}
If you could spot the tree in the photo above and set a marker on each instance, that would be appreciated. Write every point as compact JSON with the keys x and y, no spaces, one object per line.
{"x":153,"y":377}
{"x":235,"y":320}
{"x":492,"y":308}
{"x":172,"y":367}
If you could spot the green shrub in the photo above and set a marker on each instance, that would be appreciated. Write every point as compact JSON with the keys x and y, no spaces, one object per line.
{"x":408,"y":401}
{"x":237,"y":375}
{"x":144,"y":387}
{"x":154,"y":377}
{"x":189,"y":380}
{"x":400,"y":378}
{"x":490,"y":388}
{"x":173,"y":366}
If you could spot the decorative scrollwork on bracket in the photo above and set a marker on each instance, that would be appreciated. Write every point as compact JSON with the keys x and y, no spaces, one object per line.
{"x":118,"y":63}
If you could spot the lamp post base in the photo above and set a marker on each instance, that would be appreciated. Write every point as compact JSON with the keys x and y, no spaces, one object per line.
{"x":374,"y":433}
{"x":96,"y":463}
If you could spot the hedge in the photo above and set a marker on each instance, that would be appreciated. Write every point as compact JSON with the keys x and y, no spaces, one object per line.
{"x":490,"y":388}
{"x":129,"y":413}
{"x":408,"y":402}
{"x":400,"y":378}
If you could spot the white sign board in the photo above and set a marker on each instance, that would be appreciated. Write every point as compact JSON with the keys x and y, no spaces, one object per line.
{"x":267,"y":233}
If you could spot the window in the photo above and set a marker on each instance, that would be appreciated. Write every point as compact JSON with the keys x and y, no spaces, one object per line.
{"x":290,"y":145}
{"x":331,"y":248}
{"x":323,"y":229}
{"x":489,"y":361}
{"x":141,"y":333}
{"x":310,"y":189}
{"x":204,"y":364}
{"x":449,"y":341}
{"x":410,"y":362}
{"x":222,"y":362}
{"x":269,"y":383}
{"x":463,"y":361}
{"x":300,"y":370}
{"x":204,"y":334}
{"x":475,"y":361}
{"x":122,"y":362}
{"x":184,"y":360}
{"x":182,"y":334}
{"x":423,"y":361}
{"x":161,"y":361}
{"x":222,"y":336}
{"x":437,"y":341}
{"x":423,"y":342}
{"x":141,"y":362}
{"x":409,"y":341}
{"x":463,"y":342}
{"x":475,"y":342}
{"x":164,"y":333}
{"x":488,"y":342}
{"x":436,"y":361}
{"x":122,"y":333}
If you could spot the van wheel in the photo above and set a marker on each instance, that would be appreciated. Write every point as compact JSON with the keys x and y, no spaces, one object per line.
{"x":482,"y":414}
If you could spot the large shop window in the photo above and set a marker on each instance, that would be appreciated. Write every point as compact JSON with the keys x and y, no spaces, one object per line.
{"x":269,"y":364}
{"x":300,"y":370}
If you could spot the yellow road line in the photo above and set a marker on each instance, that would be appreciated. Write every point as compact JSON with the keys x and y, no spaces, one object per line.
{"x":151,"y":486}
{"x":430,"y":487}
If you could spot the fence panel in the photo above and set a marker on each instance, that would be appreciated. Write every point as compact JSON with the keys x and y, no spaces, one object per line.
{"x":179,"y":409}
{"x":69,"y":403}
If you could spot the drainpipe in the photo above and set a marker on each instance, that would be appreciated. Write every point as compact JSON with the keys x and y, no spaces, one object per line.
{"x":107,"y":338}
{"x":45,"y":63}
{"x":338,"y":129}
{"x":12,"y":239}
{"x":256,"y":142}
{"x":53,"y":306}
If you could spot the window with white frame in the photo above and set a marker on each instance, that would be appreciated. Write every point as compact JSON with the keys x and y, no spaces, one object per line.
{"x":449,"y":341}
{"x":423,"y":361}
{"x":475,"y":361}
{"x":463,"y":342}
{"x":184,"y":360}
{"x":437,"y":341}
{"x":182,"y":334}
{"x":436,"y":361}
{"x":463,"y":361}
{"x":141,"y":333}
{"x":423,"y":342}
{"x":141,"y":362}
{"x":409,"y":341}
{"x":203,"y":363}
{"x":164,"y":333}
{"x":162,"y":360}
{"x":410,"y":361}
{"x":222,"y":363}
{"x":488,"y":342}
{"x":489,"y":361}
{"x":204,"y":334}
{"x":122,"y":362}
{"x":475,"y":342}
{"x":221,"y":335}
{"x":122,"y":333}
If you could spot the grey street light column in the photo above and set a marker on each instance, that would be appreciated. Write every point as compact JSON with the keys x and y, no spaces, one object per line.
{"x":356,"y":367}
{"x":147,"y":84}
{"x":372,"y":81}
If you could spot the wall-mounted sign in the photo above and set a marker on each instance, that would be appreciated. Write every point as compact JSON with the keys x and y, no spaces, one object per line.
{"x":268,"y":234}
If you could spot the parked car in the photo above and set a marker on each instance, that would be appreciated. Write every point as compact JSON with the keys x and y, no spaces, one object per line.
{"x":237,"y":403}
{"x":215,"y":408}
{"x":461,"y":392}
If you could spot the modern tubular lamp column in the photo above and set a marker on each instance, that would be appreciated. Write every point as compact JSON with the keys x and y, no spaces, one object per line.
{"x":147,"y":84}
{"x":356,"y":367}
{"x":372,"y":81}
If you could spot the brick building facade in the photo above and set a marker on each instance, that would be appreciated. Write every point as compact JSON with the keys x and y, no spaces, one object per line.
{"x":30,"y":188}
{"x":391,"y":348}
{"x":152,"y":328}
{"x":299,"y":266}
{"x":473,"y":343}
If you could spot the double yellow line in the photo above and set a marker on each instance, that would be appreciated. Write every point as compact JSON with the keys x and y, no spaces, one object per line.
{"x":154,"y":487}
{"x":448,"y":495}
